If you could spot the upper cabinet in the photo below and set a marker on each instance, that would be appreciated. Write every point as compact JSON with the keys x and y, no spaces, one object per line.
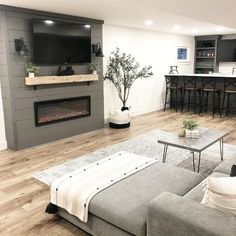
{"x":227,"y":49}
{"x":206,"y":60}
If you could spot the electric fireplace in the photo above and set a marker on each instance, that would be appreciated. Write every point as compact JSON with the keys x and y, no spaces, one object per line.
{"x":48,"y":112}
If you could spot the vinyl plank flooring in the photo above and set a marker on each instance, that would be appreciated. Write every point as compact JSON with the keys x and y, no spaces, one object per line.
{"x":23,"y":199}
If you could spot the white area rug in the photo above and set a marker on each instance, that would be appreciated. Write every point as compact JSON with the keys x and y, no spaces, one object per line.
{"x":145,"y":145}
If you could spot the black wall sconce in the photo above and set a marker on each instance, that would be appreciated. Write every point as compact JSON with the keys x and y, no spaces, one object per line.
{"x":96,"y":48}
{"x":20,"y":47}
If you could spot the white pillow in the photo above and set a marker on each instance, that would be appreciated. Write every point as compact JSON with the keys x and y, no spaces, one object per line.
{"x":221,"y":194}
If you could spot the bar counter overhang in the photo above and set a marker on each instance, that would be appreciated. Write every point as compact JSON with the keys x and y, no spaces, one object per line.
{"x":214,"y":75}
{"x":224,"y":85}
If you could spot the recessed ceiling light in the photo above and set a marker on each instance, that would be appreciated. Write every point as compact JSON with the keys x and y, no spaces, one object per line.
{"x":148,"y":22}
{"x":49,"y":22}
{"x":220,"y":28}
{"x":195,"y":31}
{"x":176,"y":27}
{"x":87,"y":26}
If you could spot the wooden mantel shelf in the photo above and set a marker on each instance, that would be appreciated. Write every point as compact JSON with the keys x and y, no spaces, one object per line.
{"x":45,"y":80}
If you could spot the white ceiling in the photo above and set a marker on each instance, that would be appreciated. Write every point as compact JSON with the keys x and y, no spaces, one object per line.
{"x":193,"y":17}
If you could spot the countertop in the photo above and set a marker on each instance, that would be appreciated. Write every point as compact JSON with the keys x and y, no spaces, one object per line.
{"x":205,"y":75}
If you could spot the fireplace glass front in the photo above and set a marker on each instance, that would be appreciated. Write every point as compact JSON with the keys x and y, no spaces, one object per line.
{"x":47,"y":112}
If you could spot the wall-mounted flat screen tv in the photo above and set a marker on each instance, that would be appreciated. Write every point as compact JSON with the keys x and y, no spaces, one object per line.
{"x":227,"y":50}
{"x":58,"y":43}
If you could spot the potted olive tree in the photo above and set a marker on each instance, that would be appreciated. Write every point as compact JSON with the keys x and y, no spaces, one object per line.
{"x":191,"y":128}
{"x":32,"y":69}
{"x":122,"y":72}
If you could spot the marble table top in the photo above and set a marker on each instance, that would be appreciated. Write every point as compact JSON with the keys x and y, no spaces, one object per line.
{"x":206,"y":139}
{"x":218,"y":75}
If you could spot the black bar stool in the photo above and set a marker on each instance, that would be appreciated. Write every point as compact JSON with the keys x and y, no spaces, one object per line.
{"x":190,"y":88}
{"x":208,"y":87}
{"x":172,"y":87}
{"x":229,"y":89}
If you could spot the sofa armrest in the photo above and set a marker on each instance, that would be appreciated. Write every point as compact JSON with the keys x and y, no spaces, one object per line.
{"x":172,"y":215}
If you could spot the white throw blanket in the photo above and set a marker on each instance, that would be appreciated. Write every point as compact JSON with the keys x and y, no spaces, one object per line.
{"x":74,"y":191}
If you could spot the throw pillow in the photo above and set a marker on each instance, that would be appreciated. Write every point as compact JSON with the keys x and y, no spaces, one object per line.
{"x":233,"y":171}
{"x":221,"y":194}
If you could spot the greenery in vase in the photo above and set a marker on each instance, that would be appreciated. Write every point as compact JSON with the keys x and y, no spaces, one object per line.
{"x":32,"y":68}
{"x":123,"y":71}
{"x":94,"y":67}
{"x":190,"y":124}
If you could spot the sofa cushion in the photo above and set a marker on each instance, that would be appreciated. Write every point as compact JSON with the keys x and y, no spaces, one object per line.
{"x":124,"y":204}
{"x":225,"y":166}
{"x":221,"y":194}
{"x":171,"y":215}
{"x":197,"y":193}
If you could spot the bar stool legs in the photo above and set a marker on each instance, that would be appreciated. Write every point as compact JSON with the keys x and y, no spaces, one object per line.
{"x":226,"y":97}
{"x":223,"y":105}
{"x":188,"y":94}
{"x":200,"y":101}
{"x":227,"y":108}
{"x":218,"y":95}
{"x":188,"y":100}
{"x":194,"y":101}
{"x":215,"y":104}
{"x":165,"y":100}
{"x":213,"y":112}
{"x":176,"y":102}
{"x":172,"y":86}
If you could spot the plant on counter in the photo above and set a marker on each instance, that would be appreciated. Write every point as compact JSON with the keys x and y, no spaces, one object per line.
{"x":123,"y":71}
{"x":32,"y":69}
{"x":94,"y":68}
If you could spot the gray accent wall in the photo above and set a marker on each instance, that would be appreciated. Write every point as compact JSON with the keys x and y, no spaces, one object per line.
{"x":18,"y":99}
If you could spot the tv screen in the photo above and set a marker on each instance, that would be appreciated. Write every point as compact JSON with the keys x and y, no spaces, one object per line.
{"x":58,"y":43}
{"x":227,"y":50}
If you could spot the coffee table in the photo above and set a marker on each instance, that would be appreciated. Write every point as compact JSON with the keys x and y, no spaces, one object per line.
{"x":207,"y":138}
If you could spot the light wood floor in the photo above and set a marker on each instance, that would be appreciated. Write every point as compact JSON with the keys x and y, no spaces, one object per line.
{"x":23,"y":199}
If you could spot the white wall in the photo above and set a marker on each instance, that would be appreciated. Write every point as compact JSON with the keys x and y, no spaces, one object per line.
{"x":155,"y":48}
{"x":3,"y":143}
{"x":148,"y":47}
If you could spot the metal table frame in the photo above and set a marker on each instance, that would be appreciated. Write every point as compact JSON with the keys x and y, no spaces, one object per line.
{"x":193,"y":151}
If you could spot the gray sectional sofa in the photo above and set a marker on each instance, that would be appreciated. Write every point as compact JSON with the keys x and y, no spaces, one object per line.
{"x":161,"y":200}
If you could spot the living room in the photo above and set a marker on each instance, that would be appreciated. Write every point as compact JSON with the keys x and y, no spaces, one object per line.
{"x":132,"y":101}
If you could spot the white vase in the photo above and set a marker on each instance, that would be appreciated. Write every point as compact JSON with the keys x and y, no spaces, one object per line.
{"x":95,"y":72}
{"x":31,"y":75}
{"x":192,"y":133}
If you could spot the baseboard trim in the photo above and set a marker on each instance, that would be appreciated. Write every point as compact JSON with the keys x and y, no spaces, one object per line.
{"x":146,"y":111}
{"x":140,"y":112}
{"x":3,"y":145}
